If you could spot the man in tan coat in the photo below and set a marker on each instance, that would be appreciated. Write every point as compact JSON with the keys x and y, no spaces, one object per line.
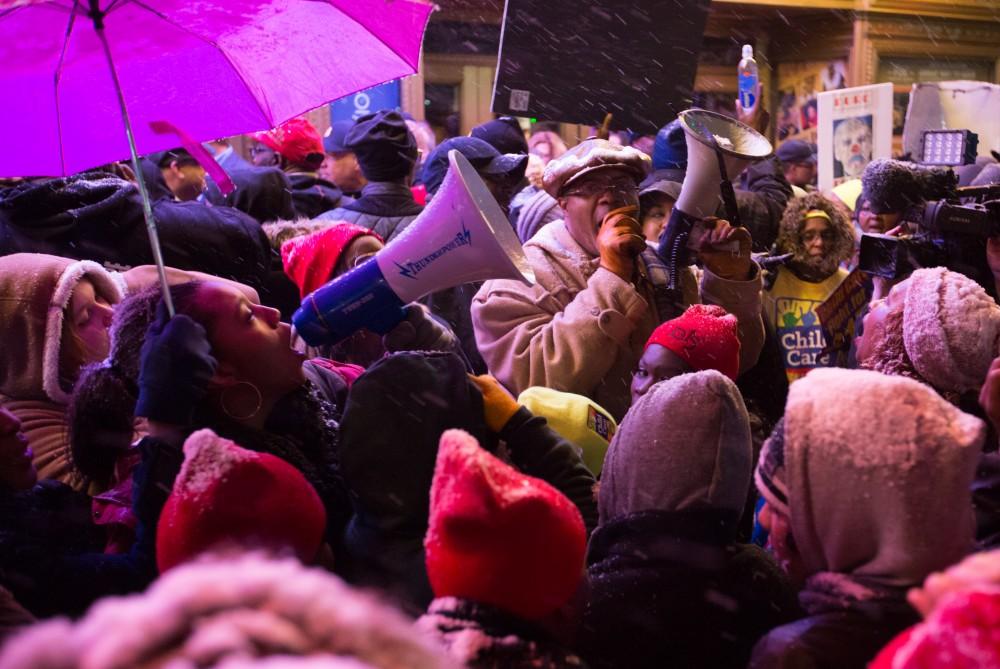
{"x":600,"y":289}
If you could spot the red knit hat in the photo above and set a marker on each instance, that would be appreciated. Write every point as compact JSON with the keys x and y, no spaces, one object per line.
{"x":705,"y":337}
{"x":962,"y":633}
{"x":227,"y":494}
{"x":297,"y":140}
{"x":499,"y":537}
{"x":309,"y":260}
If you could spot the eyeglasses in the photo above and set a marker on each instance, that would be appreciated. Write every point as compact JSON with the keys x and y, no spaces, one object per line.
{"x":254,"y":150}
{"x":813,"y":235}
{"x":594,"y":187}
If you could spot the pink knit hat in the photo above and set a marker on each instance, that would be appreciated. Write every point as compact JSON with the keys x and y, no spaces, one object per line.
{"x":704,"y":336}
{"x":950,"y":329}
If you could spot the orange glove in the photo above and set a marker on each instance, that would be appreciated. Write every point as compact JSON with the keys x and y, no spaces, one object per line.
{"x":620,"y":240}
{"x":499,"y":406}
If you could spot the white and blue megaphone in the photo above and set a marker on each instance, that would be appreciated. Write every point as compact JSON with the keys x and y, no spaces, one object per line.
{"x":461,"y":236}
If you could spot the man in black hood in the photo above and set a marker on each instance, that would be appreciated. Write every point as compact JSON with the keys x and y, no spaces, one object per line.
{"x":386,"y":151}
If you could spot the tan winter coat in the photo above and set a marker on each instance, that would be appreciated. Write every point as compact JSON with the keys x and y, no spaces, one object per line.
{"x":581,"y":328}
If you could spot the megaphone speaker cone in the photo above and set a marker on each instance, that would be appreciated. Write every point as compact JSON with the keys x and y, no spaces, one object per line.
{"x":462,"y":236}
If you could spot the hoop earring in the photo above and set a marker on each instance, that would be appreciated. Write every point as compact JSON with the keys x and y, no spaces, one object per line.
{"x":231,"y":415}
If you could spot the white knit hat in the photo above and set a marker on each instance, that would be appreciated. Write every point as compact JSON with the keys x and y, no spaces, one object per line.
{"x":950,"y":329}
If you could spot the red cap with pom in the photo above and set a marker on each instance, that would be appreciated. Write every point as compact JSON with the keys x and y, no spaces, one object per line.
{"x":499,"y":537}
{"x":309,"y":260}
{"x":227,"y":495}
{"x":297,"y":140}
{"x":705,"y":337}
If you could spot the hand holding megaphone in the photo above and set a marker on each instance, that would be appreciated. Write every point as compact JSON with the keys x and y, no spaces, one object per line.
{"x":725,"y":250}
{"x":620,"y":241}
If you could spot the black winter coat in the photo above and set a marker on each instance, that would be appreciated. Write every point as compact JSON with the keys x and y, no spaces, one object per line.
{"x":673,"y":589}
{"x":395,"y":415}
{"x":51,"y":553}
{"x":836,"y":635}
{"x":501,"y":640}
{"x":263,"y":193}
{"x":98,"y":216}
{"x":311,"y":196}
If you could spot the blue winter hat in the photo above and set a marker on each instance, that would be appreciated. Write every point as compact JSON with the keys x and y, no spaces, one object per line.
{"x":486,"y":160}
{"x":670,"y":148}
{"x":336,"y":135}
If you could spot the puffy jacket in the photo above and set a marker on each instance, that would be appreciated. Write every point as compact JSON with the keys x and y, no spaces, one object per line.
{"x":98,"y":216}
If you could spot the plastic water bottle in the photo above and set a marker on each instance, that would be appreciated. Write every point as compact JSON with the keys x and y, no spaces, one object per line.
{"x":747,"y":73}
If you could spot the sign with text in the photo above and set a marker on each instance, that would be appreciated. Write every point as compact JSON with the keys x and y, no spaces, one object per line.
{"x":855,"y":127}
{"x":839,"y":312}
{"x":576,"y":61}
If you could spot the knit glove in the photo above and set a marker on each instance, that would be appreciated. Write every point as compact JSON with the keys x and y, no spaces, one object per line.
{"x":419,"y":332}
{"x":498,"y":405}
{"x":176,"y":365}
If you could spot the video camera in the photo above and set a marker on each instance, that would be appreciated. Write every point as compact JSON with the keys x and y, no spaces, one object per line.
{"x":950,"y":225}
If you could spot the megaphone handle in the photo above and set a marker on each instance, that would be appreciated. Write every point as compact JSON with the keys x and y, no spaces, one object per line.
{"x":729,"y":201}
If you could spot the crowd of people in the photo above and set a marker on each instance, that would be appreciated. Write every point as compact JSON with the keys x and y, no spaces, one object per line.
{"x":599,"y":470}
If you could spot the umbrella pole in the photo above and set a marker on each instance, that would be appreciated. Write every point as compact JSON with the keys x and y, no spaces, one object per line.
{"x":147,"y":210}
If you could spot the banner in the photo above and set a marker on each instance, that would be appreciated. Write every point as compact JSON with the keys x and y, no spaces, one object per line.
{"x":353,"y":107}
{"x":576,"y":61}
{"x":838,"y":314}
{"x":855,"y":127}
{"x":953,"y":105}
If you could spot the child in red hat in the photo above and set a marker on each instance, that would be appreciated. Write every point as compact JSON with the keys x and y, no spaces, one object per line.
{"x":703,"y":337}
{"x":503,"y":552}
{"x":226,"y":496}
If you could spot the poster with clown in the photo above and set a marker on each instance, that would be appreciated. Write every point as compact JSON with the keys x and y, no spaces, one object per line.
{"x":855,"y":127}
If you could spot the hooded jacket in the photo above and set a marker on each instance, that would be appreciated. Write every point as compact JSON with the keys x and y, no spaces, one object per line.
{"x":581,"y":328}
{"x":878,"y":472}
{"x":394,"y":417}
{"x":35,"y":291}
{"x":665,"y":571}
{"x":99,"y":217}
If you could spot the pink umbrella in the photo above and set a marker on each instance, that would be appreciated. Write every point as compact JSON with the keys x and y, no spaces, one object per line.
{"x":75,"y":73}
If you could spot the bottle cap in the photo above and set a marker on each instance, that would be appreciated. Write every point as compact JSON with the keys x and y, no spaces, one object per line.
{"x":748,"y":51}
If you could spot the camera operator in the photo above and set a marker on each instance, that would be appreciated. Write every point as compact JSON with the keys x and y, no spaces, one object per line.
{"x":894,"y":200}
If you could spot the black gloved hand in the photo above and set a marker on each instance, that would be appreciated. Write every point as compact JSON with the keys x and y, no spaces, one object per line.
{"x":175,"y":368}
{"x":419,"y":332}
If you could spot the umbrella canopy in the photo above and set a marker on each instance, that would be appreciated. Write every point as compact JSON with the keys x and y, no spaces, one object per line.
{"x":213,"y":68}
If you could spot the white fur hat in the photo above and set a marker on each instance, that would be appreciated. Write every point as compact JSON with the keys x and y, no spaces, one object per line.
{"x":590,"y":155}
{"x":950,"y":329}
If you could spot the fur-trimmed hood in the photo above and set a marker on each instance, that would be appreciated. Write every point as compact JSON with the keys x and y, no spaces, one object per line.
{"x":793,"y":220}
{"x":35,"y":290}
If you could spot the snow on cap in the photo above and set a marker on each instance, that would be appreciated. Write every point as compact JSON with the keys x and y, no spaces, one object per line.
{"x":227,"y":494}
{"x":963,"y":633}
{"x":704,"y":337}
{"x":590,"y":155}
{"x":499,"y":537}
{"x":876,"y":465}
{"x":950,"y":329}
